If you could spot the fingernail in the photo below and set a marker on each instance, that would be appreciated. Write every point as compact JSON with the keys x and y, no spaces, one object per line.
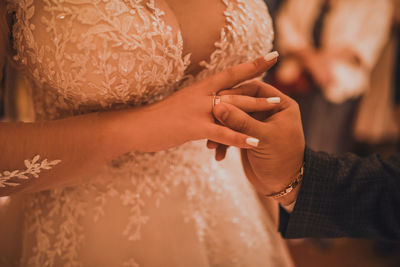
{"x":251,"y":141}
{"x":271,"y":56}
{"x":274,"y":100}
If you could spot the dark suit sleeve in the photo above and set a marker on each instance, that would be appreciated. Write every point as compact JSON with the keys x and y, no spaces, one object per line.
{"x":346,"y":196}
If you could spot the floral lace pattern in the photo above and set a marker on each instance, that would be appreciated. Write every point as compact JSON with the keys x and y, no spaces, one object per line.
{"x":84,"y":56}
{"x":98,"y":54}
{"x":33,"y":168}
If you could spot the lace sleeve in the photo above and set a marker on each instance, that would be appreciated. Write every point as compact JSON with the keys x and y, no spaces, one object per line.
{"x":32,"y":170}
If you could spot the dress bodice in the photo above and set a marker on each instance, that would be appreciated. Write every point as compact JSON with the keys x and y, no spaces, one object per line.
{"x":89,"y":55}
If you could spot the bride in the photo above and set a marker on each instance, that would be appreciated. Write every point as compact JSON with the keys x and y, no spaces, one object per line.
{"x":121,"y":91}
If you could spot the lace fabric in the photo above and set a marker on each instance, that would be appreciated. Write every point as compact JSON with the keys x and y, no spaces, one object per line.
{"x":33,"y":168}
{"x":99,"y":54}
{"x":84,"y":56}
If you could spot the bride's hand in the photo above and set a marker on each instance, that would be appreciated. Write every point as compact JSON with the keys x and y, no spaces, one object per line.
{"x":187,"y":114}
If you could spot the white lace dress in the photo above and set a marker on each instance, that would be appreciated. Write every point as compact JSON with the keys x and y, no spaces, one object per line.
{"x":172,"y":208}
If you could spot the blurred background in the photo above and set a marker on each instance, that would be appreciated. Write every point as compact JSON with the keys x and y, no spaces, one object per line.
{"x":340,"y":59}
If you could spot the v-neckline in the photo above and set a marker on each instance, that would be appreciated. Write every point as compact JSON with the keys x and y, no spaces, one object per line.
{"x":185,"y":59}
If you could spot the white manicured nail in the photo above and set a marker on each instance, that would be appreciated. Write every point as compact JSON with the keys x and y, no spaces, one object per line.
{"x":271,"y":56}
{"x":274,"y":100}
{"x":252,"y":141}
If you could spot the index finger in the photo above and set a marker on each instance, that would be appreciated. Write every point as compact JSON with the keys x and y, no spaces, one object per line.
{"x":258,"y":89}
{"x":254,"y":89}
{"x":242,"y":72}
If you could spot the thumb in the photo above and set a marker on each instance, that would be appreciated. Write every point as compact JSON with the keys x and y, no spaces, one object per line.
{"x":234,"y":118}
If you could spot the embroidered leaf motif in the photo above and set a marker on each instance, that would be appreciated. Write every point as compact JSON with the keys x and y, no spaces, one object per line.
{"x":77,"y":2}
{"x":89,"y":16}
{"x":30,"y":12}
{"x":99,"y":28}
{"x":33,"y":168}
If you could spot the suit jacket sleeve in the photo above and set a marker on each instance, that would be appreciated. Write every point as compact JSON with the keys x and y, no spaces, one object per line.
{"x":346,"y":196}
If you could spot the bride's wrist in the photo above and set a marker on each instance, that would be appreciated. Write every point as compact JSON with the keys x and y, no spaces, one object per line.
{"x":123,"y":131}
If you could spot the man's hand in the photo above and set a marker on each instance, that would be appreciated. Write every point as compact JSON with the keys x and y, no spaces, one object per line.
{"x":279,"y":156}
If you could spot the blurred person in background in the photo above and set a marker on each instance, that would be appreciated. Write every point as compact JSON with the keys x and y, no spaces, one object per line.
{"x":330,"y":47}
{"x":376,"y":128}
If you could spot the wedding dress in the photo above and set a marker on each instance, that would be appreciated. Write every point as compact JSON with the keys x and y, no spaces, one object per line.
{"x":171,"y":208}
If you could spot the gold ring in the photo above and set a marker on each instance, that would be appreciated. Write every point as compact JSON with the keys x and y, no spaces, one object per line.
{"x":216,"y":100}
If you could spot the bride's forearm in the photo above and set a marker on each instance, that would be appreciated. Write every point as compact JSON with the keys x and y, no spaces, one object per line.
{"x":74,"y":148}
{"x":63,"y":151}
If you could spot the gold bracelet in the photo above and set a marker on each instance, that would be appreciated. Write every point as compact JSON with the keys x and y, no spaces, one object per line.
{"x":290,"y":187}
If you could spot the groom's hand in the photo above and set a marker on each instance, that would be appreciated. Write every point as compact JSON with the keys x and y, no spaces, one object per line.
{"x":279,"y":156}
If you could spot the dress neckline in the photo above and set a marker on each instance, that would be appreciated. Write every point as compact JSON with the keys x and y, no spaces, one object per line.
{"x":218,"y":45}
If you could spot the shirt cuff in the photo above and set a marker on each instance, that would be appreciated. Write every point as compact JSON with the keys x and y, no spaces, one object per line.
{"x":289,"y":208}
